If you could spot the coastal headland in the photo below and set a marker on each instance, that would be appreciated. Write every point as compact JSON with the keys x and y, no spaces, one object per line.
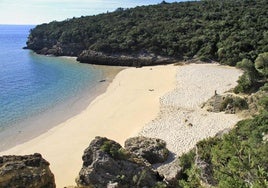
{"x":139,"y":101}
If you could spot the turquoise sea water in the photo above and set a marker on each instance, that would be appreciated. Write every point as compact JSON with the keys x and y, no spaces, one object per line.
{"x":32,"y":85}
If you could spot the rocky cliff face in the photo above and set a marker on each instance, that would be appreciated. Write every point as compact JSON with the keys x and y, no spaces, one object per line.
{"x":152,"y":149}
{"x":137,"y":60}
{"x":106,"y":163}
{"x":47,"y":46}
{"x":29,"y":171}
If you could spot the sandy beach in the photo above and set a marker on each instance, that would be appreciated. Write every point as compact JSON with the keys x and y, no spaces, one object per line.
{"x":151,"y":101}
{"x":181,"y":112}
{"x":130,"y":101}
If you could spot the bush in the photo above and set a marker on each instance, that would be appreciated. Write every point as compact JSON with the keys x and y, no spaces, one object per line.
{"x":264,"y":102}
{"x":190,"y":176}
{"x":261,"y":64}
{"x":264,"y":88}
{"x":245,"y":83}
{"x":115,"y":150}
{"x":236,"y":102}
{"x":239,"y":159}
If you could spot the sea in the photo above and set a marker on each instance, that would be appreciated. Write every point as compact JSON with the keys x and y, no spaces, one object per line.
{"x":36,"y":91}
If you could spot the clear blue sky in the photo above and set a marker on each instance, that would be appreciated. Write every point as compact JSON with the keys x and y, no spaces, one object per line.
{"x":43,"y":11}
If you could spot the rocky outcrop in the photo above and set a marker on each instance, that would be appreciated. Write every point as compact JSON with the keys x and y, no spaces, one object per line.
{"x":171,"y":172}
{"x":106,"y":163}
{"x":46,"y":46}
{"x":229,"y":103}
{"x":29,"y":171}
{"x":152,"y":149}
{"x":49,"y":46}
{"x":137,"y":60}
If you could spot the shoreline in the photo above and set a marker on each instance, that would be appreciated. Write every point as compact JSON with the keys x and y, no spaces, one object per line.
{"x":107,"y":115}
{"x":139,"y":100}
{"x":25,"y":130}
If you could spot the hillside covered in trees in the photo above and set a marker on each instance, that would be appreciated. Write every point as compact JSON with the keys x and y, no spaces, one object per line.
{"x":224,"y":31}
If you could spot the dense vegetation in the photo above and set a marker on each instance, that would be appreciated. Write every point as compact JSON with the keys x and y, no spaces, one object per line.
{"x":225,"y":31}
{"x":255,"y":74}
{"x":238,"y":159}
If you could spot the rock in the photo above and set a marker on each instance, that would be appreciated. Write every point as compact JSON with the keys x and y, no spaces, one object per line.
{"x":46,"y":46}
{"x":112,"y":185}
{"x":105,"y":163}
{"x":265,"y":137}
{"x":221,"y":133}
{"x":206,"y":171}
{"x":171,"y":172}
{"x":31,"y":171}
{"x":190,"y":125}
{"x":135,"y":60}
{"x":152,"y":149}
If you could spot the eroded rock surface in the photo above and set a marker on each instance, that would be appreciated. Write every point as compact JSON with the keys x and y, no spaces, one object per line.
{"x":29,"y":171}
{"x":152,"y":149}
{"x":105,"y":163}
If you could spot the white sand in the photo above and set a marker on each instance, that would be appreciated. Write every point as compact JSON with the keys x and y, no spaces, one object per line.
{"x":119,"y":113}
{"x":196,"y":83}
{"x":132,"y":101}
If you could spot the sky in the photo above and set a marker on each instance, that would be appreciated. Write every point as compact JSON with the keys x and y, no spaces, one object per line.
{"x":34,"y":12}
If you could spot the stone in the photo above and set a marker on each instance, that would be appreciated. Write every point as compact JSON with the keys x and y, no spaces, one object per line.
{"x":151,"y":149}
{"x":171,"y":172}
{"x":106,"y":163}
{"x":134,"y":60}
{"x":29,"y":171}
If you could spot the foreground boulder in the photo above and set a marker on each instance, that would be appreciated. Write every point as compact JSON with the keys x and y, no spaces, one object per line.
{"x":152,"y":149}
{"x":31,"y":171}
{"x":106,"y":163}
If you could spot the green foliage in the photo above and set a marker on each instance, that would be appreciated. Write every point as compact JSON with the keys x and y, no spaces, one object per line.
{"x":261,"y":64}
{"x":226,"y":31}
{"x":192,"y":180}
{"x":264,"y":87}
{"x":246,"y":65}
{"x":190,"y":174}
{"x":160,"y":185}
{"x":264,"y":102}
{"x":239,"y":159}
{"x":115,"y":150}
{"x":186,"y":160}
{"x":253,"y":75}
{"x":204,"y":148}
{"x":245,"y":83}
{"x":236,"y":102}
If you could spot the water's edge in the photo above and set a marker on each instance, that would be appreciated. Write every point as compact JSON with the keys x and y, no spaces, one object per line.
{"x":28,"y":129}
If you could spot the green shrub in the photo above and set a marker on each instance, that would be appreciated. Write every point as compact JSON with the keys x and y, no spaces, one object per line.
{"x":245,"y":83}
{"x":115,"y":150}
{"x":239,"y":159}
{"x":264,"y":102}
{"x":236,"y":102}
{"x":240,"y":103}
{"x":264,"y":87}
{"x":261,"y":64}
